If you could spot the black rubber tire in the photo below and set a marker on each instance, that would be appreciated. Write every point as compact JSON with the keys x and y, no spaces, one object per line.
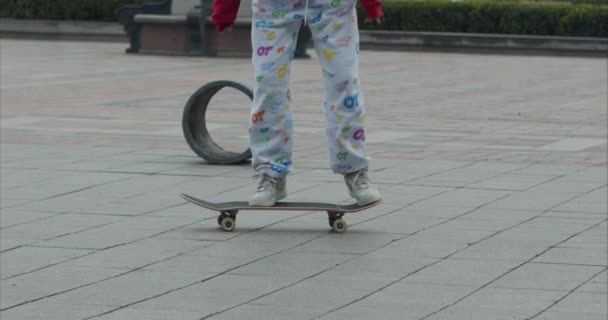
{"x":195,"y":127}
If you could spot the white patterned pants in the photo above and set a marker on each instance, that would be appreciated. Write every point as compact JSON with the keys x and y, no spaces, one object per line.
{"x":335,"y":34}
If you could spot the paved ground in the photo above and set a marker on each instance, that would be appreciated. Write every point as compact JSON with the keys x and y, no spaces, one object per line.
{"x":493,"y":170}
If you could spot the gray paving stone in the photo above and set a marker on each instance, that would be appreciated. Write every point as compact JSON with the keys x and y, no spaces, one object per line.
{"x":594,"y":238}
{"x":583,"y":302}
{"x":102,"y":237}
{"x":349,"y":243}
{"x":499,"y":252}
{"x":485,"y":213}
{"x":461,"y":234}
{"x":145,"y":167}
{"x":421,"y":245}
{"x":541,"y":276}
{"x":461,"y":272}
{"x":495,"y":304}
{"x":27,"y":259}
{"x":84,"y":165}
{"x":293,"y":264}
{"x":257,"y":311}
{"x":210,"y":296}
{"x":573,"y":144}
{"x":427,"y":209}
{"x":511,"y":181}
{"x":465,"y":225}
{"x":542,"y":232}
{"x":564,"y":315}
{"x":415,"y":170}
{"x":569,"y":184}
{"x":50,"y":281}
{"x":127,"y":289}
{"x":547,"y":169}
{"x":532,"y":200}
{"x":596,"y":257}
{"x":138,"y":254}
{"x":365,"y":273}
{"x":58,"y":226}
{"x":321,"y":297}
{"x":598,"y":284}
{"x":16,"y":177}
{"x":10,"y":217}
{"x":59,"y":186}
{"x":11,"y":243}
{"x":9,"y":203}
{"x":49,"y":311}
{"x":402,"y":301}
{"x":132,"y":313}
{"x":575,"y":215}
{"x":582,"y":204}
{"x":468,"y":197}
{"x":397,"y":223}
{"x":191,"y":263}
{"x":449,"y":155}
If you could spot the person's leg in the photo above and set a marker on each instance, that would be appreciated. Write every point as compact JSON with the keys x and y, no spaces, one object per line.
{"x":273,"y":38}
{"x":336,"y":37}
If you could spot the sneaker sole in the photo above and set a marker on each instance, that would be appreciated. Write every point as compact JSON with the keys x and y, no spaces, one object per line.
{"x":368,"y":200}
{"x":267,"y":203}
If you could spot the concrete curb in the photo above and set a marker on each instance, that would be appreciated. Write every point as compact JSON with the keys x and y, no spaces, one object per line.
{"x":62,"y":30}
{"x":370,"y":39}
{"x":474,"y":42}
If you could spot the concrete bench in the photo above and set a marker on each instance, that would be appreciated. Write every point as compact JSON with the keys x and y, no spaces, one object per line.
{"x":184,"y":27}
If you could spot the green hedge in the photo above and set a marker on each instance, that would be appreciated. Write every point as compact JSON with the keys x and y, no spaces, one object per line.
{"x":62,"y":9}
{"x":480,"y":16}
{"x":505,"y":17}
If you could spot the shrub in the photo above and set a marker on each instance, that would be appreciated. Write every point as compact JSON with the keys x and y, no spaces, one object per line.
{"x":63,"y":9}
{"x":492,"y":16}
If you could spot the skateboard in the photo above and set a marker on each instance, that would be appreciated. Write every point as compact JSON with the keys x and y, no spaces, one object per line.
{"x":229,"y":210}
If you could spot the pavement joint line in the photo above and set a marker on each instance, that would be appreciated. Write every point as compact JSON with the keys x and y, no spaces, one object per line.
{"x":102,"y":249}
{"x":539,"y":262}
{"x":456,"y":252}
{"x":566,"y":295}
{"x":419,"y":269}
{"x":213,"y":276}
{"x":67,"y":193}
{"x":508,"y":271}
{"x":108,"y":278}
{"x":279,"y":289}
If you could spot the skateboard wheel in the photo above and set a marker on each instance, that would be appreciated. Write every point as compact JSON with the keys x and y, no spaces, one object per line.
{"x":339,"y":225}
{"x":219,"y":219}
{"x":227,"y":224}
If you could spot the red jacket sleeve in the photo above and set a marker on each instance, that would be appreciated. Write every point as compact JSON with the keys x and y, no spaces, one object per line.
{"x":224,"y":13}
{"x":372,"y":8}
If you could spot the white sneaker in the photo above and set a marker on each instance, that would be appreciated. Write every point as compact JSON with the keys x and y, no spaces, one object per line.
{"x":360,"y":188}
{"x":270,"y":190}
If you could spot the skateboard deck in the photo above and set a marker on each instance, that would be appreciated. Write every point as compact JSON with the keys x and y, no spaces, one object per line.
{"x":229,"y":210}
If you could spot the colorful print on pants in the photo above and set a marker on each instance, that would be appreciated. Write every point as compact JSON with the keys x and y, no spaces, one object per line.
{"x":335,"y":32}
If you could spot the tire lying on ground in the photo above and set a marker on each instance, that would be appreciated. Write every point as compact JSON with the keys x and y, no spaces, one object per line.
{"x":195,"y":127}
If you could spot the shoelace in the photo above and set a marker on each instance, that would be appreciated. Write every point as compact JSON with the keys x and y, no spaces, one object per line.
{"x":361,"y":179}
{"x":266,"y":181}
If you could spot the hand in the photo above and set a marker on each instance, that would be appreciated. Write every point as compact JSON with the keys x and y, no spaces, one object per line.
{"x":375,"y":21}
